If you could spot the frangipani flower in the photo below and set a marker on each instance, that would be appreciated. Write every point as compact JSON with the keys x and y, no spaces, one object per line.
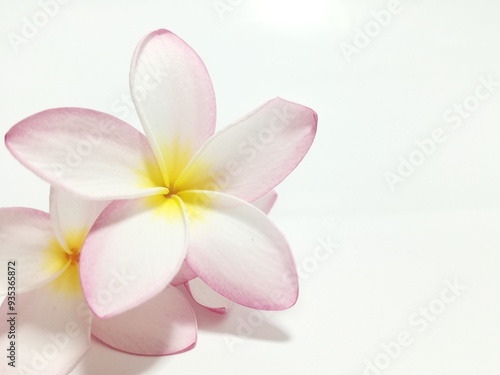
{"x":51,"y":322}
{"x":180,"y":192}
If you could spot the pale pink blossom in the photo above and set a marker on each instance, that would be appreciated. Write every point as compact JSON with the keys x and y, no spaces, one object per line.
{"x":52,"y":323}
{"x":180,"y":193}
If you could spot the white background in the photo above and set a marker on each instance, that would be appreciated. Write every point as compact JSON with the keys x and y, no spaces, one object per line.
{"x":396,"y":249}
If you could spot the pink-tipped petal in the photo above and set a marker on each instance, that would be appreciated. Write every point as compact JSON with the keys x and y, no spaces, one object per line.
{"x":266,"y":202}
{"x":207,"y":297}
{"x":52,"y":332}
{"x":201,"y":292}
{"x":89,"y":153}
{"x":238,"y":252}
{"x":164,"y":325}
{"x":174,"y":98}
{"x":251,"y":157}
{"x":133,"y":251}
{"x":184,"y":275}
{"x":27,"y":240}
{"x":72,"y":217}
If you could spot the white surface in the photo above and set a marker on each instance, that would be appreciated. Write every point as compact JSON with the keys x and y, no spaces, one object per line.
{"x":397,"y":249}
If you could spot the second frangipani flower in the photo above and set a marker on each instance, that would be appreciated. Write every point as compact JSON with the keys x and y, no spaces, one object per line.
{"x":46,"y":305}
{"x":180,"y":193}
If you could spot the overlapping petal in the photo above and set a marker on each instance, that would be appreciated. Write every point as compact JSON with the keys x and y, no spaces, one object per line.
{"x":174,"y":98}
{"x":52,"y":332}
{"x":27,"y":239}
{"x":89,"y":153}
{"x":164,"y":325}
{"x":184,"y":275}
{"x":72,"y":217}
{"x":251,"y":157}
{"x":132,"y":253}
{"x":266,"y":202}
{"x":238,"y":252}
{"x":207,"y":297}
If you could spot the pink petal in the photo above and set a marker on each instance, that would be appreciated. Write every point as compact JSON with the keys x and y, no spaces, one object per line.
{"x":238,"y":252}
{"x":164,"y":325}
{"x":52,"y":332}
{"x":174,"y":98}
{"x":86,"y":152}
{"x":132,"y":253}
{"x":201,"y":292}
{"x":207,"y":297}
{"x":72,"y":217}
{"x":251,"y":157}
{"x":27,"y":239}
{"x":184,"y":275}
{"x":266,"y":202}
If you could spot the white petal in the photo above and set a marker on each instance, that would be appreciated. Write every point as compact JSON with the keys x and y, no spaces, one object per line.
{"x":89,"y":153}
{"x":133,"y":251}
{"x":72,"y":217}
{"x":248,"y":159}
{"x":174,"y":98}
{"x":27,"y":240}
{"x":238,"y":252}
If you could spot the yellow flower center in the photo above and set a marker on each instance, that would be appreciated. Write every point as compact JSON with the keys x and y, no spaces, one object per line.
{"x":177,"y":179}
{"x":57,"y":258}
